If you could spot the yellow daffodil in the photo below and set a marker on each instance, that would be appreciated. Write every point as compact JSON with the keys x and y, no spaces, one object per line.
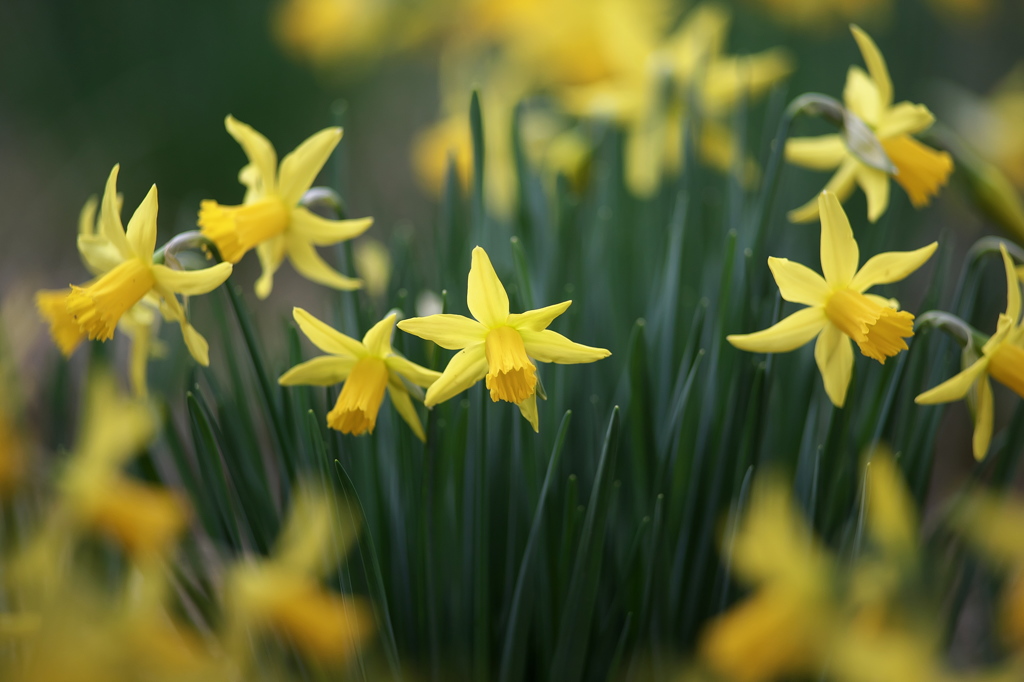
{"x":1002,"y":358}
{"x":497,"y":346}
{"x":837,"y":304}
{"x":270,"y":218}
{"x":127,"y":275}
{"x":366,"y":367}
{"x":918,"y":168}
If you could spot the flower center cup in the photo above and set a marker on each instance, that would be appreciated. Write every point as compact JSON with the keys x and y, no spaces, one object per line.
{"x":360,"y":398}
{"x":237,"y":229}
{"x":1007,"y":367}
{"x":98,"y":307}
{"x":63,"y":327}
{"x":878,"y":330}
{"x":921,"y":170}
{"x":511,"y":375}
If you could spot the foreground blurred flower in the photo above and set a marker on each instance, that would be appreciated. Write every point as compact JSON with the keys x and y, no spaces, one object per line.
{"x":918,"y":168}
{"x":497,"y":346}
{"x":270,"y":218}
{"x":128,"y":275}
{"x":837,"y":303}
{"x":1002,"y":358}
{"x":367,"y":368}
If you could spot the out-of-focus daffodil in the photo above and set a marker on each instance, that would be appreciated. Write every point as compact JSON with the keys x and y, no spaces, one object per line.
{"x":270,"y":218}
{"x":918,"y":168}
{"x":823,"y":16}
{"x":373,"y":264}
{"x":837,"y":304}
{"x":497,"y":346}
{"x":1002,"y":358}
{"x":366,"y":367}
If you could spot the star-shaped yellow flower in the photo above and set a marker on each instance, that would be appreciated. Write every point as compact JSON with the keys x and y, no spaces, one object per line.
{"x":919,"y":169}
{"x":837,"y":303}
{"x":1002,"y":358}
{"x":366,"y":367}
{"x":497,"y":346}
{"x":270,"y":218}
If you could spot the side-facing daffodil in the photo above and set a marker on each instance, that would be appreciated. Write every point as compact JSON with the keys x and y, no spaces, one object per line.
{"x":497,"y":346}
{"x":270,"y":218}
{"x":918,"y":168}
{"x":1002,"y":358}
{"x":837,"y":304}
{"x":366,"y":367}
{"x":124,"y":261}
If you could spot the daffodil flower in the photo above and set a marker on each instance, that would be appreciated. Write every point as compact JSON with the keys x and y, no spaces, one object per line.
{"x":1002,"y":358}
{"x":366,"y":367}
{"x":919,"y":169}
{"x":497,"y":346}
{"x":837,"y":304}
{"x":129,"y":275}
{"x":270,"y":218}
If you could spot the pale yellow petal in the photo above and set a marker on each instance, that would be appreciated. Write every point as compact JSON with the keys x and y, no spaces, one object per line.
{"x":905,"y":118}
{"x":448,"y":331}
{"x":141,"y":234}
{"x":421,"y":376}
{"x":956,"y":387}
{"x":324,"y":232}
{"x":110,"y":216}
{"x":875,"y":184}
{"x":325,"y":370}
{"x":834,"y":354}
{"x":841,"y":184}
{"x":310,"y":265}
{"x":99,"y":255}
{"x":891,"y":266}
{"x":87,"y":217}
{"x":300,"y":168}
{"x":549,"y":346}
{"x":538,"y":319}
{"x":378,"y":339}
{"x":839,"y":253}
{"x":798,"y":283}
{"x":820,"y":153}
{"x":785,"y":335}
{"x":271,"y":255}
{"x":192,"y":282}
{"x":1013,"y":304}
{"x":465,"y":369}
{"x":258,"y":149}
{"x":861,"y":96}
{"x":194,"y":341}
{"x":528,"y":408}
{"x":485,"y":294}
{"x":325,"y":337}
{"x":983,"y":418}
{"x":406,"y":409}
{"x":876,"y":65}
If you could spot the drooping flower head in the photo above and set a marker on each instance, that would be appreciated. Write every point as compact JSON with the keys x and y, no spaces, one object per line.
{"x":1002,"y":358}
{"x":497,"y":346}
{"x":367,"y":368}
{"x":918,"y":168}
{"x":837,"y":305}
{"x":270,"y":218}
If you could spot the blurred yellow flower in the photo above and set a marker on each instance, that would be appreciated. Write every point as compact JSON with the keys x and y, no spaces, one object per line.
{"x":821,"y":16}
{"x":1002,"y":358}
{"x":373,"y":264}
{"x":837,"y":304}
{"x":497,"y":346}
{"x":270,"y":218}
{"x":366,"y":367}
{"x":918,"y":168}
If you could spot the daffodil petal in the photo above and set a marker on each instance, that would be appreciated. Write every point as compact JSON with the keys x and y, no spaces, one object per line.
{"x":538,"y":319}
{"x":983,"y":418}
{"x":875,"y":184}
{"x":860,"y":95}
{"x":257,"y":149}
{"x":785,"y":335}
{"x":839,"y":253}
{"x":528,"y":408}
{"x":197,"y":346}
{"x":378,"y":339}
{"x":192,"y":282}
{"x":421,"y":376}
{"x":271,"y":254}
{"x":876,"y":65}
{"x":449,"y":331}
{"x":110,"y":216}
{"x":87,"y":217}
{"x":310,"y":265}
{"x":891,"y":266}
{"x":325,"y":370}
{"x":406,"y":409}
{"x":798,"y":283}
{"x":99,"y":255}
{"x":904,"y":118}
{"x":834,"y":355}
{"x":820,"y":153}
{"x":324,"y":232}
{"x":956,"y":387}
{"x":465,"y":369}
{"x":325,"y":337}
{"x":1013,"y":304}
{"x":485,"y":294}
{"x":841,"y":184}
{"x":300,"y":168}
{"x":141,"y":234}
{"x":549,"y":346}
